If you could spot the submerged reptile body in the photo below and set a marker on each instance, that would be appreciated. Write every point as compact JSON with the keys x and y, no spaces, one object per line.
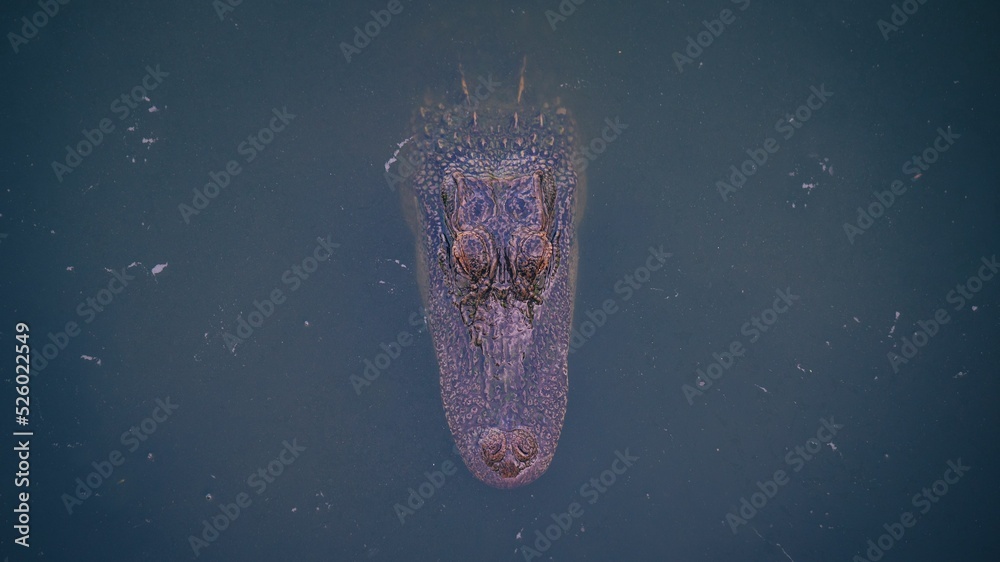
{"x":495,"y":197}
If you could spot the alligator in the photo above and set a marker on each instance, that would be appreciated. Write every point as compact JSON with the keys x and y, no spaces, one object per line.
{"x":494,"y":202}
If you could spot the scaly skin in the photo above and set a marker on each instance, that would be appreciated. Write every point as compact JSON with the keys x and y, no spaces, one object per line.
{"x":495,"y":199}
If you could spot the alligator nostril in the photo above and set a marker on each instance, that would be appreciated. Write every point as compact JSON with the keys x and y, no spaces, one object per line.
{"x":493,"y":444}
{"x":525,"y":446}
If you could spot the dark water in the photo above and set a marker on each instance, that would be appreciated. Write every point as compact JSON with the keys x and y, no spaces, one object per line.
{"x":283,"y":400}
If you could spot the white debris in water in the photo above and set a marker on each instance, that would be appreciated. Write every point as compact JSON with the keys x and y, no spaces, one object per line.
{"x":826,"y":166}
{"x":91,"y":358}
{"x":892,"y":330}
{"x":392,"y":160}
{"x":129,"y":266}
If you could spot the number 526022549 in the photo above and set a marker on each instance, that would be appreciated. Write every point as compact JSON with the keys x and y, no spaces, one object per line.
{"x":22,"y":368}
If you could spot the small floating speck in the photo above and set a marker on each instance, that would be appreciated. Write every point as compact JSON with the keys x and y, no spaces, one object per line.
{"x":91,"y":358}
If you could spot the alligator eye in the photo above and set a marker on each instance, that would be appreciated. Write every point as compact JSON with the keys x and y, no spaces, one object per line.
{"x":533,"y":255}
{"x":524,"y":445}
{"x":493,"y":444}
{"x":472,"y":251}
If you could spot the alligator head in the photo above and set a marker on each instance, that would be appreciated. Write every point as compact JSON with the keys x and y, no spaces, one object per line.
{"x":495,"y":197}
